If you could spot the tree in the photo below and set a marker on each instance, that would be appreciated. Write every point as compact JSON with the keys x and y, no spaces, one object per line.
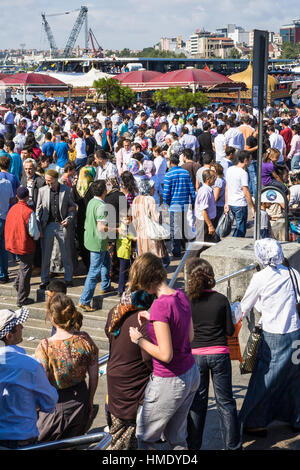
{"x":290,"y":50}
{"x":116,"y":94}
{"x":234,"y":53}
{"x":180,"y":98}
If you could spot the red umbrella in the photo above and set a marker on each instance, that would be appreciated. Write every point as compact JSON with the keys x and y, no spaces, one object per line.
{"x":189,"y":77}
{"x":138,"y":78}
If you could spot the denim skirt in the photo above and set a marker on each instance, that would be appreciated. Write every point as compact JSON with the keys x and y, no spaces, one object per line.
{"x":273,"y":390}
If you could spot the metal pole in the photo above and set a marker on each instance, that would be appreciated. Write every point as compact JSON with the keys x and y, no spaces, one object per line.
{"x":259,"y":171}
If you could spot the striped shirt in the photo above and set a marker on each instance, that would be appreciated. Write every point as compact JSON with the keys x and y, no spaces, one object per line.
{"x":178,"y":189}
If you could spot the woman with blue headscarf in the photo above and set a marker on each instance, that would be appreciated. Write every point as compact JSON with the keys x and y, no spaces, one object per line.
{"x":274,"y":388}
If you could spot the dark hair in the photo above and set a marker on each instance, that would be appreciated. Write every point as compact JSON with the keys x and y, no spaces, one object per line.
{"x":136,"y":144}
{"x":242,"y":155}
{"x":200,"y":277}
{"x":230,"y":150}
{"x":98,"y":187}
{"x":69,"y":166}
{"x":48,"y":136}
{"x":10,"y":144}
{"x":57,"y":285}
{"x":4,"y":163}
{"x":174,"y":159}
{"x":139,"y":156}
{"x":129,"y":183}
{"x":101,"y":154}
{"x":208,"y":158}
{"x":206,"y":126}
{"x":188,"y":153}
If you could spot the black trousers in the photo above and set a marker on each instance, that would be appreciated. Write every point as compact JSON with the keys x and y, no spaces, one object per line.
{"x":22,"y":282}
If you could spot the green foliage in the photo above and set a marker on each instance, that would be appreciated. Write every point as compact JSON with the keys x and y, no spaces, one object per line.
{"x":290,"y":50}
{"x":147,"y":52}
{"x":116,"y":94}
{"x":180,"y":98}
{"x":234,"y":54}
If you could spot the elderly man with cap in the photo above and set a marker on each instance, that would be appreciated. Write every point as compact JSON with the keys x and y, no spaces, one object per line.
{"x":24,"y":386}
{"x":21,"y":231}
{"x":55,"y":212}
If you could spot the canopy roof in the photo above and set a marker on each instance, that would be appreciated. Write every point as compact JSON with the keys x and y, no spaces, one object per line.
{"x":81,"y":80}
{"x":137,"y":78}
{"x":32,"y":80}
{"x":246,"y":77}
{"x":189,"y":77}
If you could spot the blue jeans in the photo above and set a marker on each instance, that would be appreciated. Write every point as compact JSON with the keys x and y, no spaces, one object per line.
{"x":219,"y":366}
{"x":252,"y":169}
{"x":241,"y":216}
{"x":295,"y":163}
{"x":99,"y":264}
{"x":3,"y":252}
{"x":80,"y":162}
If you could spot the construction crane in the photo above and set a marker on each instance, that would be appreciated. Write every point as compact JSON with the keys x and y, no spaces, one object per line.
{"x":82,"y":17}
{"x":92,"y":39}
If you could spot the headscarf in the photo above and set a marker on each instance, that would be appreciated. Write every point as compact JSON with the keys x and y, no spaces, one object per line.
{"x":149,"y":168}
{"x":85,"y":179}
{"x":133,"y":166}
{"x":112,"y":184}
{"x":268,"y":251}
{"x":145,"y":186}
{"x":129,"y":302}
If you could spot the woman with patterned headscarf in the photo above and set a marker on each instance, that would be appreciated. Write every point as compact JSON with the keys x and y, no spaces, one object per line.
{"x":126,"y":378}
{"x":143,"y":204}
{"x":273,"y":391}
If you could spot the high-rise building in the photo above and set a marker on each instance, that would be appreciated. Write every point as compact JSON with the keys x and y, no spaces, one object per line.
{"x":291,"y":32}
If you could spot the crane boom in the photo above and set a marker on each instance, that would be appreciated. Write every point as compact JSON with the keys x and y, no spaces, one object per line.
{"x":75,"y":31}
{"x":53,"y":47}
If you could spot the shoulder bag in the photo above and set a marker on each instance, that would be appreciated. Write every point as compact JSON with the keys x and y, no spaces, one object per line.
{"x":296,"y":291}
{"x":250,"y":353}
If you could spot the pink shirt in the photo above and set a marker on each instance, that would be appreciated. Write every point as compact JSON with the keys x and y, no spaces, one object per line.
{"x":295,"y":146}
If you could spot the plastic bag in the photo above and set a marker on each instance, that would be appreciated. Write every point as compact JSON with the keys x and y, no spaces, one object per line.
{"x":225,"y":225}
{"x":155,"y":230}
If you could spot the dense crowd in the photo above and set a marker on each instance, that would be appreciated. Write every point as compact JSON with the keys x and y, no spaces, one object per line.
{"x":119,"y":194}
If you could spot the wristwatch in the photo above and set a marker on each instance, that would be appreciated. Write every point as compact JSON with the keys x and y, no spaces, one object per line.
{"x":137,"y":340}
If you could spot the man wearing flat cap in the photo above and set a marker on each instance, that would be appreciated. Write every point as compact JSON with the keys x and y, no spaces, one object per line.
{"x":24,"y":386}
{"x":21,"y":231}
{"x":55,"y":211}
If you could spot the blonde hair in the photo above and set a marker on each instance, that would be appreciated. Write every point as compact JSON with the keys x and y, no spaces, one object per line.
{"x":63,"y":312}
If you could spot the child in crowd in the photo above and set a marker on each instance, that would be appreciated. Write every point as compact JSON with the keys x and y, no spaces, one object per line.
{"x":54,"y":287}
{"x":124,"y":249}
{"x":265,"y":221}
{"x":269,"y":173}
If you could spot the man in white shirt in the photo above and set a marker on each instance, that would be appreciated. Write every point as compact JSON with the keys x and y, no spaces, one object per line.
{"x":105,"y":169}
{"x":189,"y":141}
{"x":277,"y":142}
{"x":205,"y":207}
{"x":237,"y":194}
{"x":233,"y":136}
{"x":175,"y":126}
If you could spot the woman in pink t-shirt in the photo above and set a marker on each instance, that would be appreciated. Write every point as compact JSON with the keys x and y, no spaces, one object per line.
{"x":175,"y":379}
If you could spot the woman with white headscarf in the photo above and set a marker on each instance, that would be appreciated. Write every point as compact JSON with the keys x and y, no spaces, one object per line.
{"x":144,"y":204}
{"x":273,"y":391}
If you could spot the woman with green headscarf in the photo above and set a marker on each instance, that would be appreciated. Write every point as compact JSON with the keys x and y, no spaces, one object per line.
{"x":82,"y":194}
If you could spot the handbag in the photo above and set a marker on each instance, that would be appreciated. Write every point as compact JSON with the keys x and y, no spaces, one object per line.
{"x":156,"y":231}
{"x":250,"y":353}
{"x":296,"y":292}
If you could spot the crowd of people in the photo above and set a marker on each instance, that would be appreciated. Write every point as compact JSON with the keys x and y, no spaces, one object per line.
{"x":119,"y":194}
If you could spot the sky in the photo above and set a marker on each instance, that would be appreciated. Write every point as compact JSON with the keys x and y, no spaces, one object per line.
{"x":136,"y":24}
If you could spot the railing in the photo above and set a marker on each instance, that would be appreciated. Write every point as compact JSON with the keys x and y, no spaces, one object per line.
{"x":197,"y":245}
{"x":102,"y":438}
{"x":191,"y":246}
{"x":230,"y":276}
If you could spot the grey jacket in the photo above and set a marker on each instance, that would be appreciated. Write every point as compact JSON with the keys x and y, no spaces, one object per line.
{"x":67,"y":206}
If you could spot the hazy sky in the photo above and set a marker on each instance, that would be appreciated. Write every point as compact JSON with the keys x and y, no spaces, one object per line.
{"x":136,"y":23}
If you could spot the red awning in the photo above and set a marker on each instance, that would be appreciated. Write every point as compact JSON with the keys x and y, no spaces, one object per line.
{"x":34,"y":80}
{"x":137,"y":79}
{"x":189,"y":77}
